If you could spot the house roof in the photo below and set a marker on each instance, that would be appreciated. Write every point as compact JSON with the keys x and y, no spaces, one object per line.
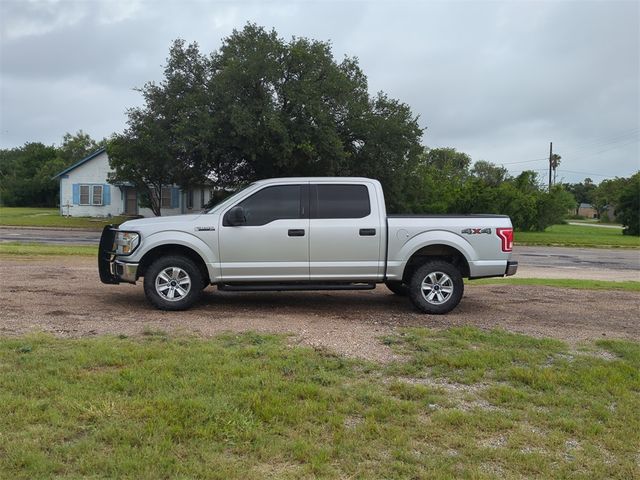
{"x":585,"y":205}
{"x":80,"y":162}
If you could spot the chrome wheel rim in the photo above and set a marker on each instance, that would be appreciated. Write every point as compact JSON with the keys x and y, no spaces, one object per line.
{"x":437,"y":288}
{"x":173,"y":284}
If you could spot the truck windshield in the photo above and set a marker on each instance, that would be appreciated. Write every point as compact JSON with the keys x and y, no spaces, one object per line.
{"x":229,"y":199}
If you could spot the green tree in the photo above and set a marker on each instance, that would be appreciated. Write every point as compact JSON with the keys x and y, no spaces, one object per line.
{"x":435,"y":182}
{"x":455,"y":164}
{"x":607,"y":193}
{"x":169,"y":139}
{"x":20,"y":181}
{"x":26,"y":173}
{"x":155,"y":166}
{"x":489,"y":173}
{"x":76,"y":146}
{"x":552,"y":207}
{"x":261,"y":107}
{"x":628,"y":206}
{"x":583,"y":192}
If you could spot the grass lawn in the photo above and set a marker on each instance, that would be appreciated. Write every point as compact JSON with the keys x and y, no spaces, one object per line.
{"x":464,"y":404}
{"x":50,"y":217}
{"x":17,"y":248}
{"x":45,"y":249}
{"x":578,"y":236}
{"x":628,"y":285}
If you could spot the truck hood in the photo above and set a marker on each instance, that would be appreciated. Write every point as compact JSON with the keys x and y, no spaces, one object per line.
{"x":141,"y":223}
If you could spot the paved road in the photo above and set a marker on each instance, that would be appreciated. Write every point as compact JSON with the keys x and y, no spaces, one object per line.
{"x":532,"y":258}
{"x":49,"y":235}
{"x":569,"y":257}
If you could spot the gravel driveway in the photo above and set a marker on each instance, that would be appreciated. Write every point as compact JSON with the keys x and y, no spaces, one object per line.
{"x":63,"y":296}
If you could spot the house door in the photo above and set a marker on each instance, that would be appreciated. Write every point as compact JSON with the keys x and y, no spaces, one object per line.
{"x":130,"y":202}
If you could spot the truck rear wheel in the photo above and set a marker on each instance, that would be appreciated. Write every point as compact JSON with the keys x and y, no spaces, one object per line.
{"x":172,"y":283}
{"x":398,"y":288}
{"x":436,"y":287}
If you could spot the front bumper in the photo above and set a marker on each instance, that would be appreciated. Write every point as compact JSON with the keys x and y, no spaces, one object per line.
{"x":512,"y":268}
{"x":113,"y":271}
{"x":125,"y":272}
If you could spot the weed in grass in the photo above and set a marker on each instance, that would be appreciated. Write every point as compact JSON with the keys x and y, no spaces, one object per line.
{"x":155,"y":333}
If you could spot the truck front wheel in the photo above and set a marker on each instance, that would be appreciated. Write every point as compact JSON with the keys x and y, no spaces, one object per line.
{"x":436,"y":287}
{"x":172,"y":283}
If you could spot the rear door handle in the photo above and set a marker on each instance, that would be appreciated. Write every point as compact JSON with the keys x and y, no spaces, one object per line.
{"x":367,"y":232}
{"x":295,"y":232}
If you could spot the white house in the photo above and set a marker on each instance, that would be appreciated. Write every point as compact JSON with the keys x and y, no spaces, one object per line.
{"x":85,"y":192}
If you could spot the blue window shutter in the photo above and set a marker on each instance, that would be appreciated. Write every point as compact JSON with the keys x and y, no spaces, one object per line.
{"x":175,"y":197}
{"x":106,"y":194}
{"x":76,"y":193}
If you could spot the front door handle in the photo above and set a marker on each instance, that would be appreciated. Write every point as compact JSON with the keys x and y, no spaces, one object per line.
{"x":296,"y":232}
{"x":367,"y":232}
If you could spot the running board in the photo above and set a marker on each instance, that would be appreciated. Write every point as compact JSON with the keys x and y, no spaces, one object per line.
{"x":282,"y":287}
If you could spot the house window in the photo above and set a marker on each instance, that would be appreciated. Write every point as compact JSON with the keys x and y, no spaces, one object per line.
{"x":85,"y":195}
{"x":90,"y":194}
{"x":202,"y":202}
{"x":165,"y":197}
{"x":96,"y":195}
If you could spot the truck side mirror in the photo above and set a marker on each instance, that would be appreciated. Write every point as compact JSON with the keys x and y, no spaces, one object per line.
{"x":235,"y":216}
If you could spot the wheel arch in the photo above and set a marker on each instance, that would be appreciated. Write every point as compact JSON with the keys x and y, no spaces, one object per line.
{"x":434,"y":251}
{"x":173,"y":249}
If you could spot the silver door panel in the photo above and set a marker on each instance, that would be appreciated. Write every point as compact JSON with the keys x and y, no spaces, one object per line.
{"x":267,"y":252}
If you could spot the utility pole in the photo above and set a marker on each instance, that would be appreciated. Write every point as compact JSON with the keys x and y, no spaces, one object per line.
{"x":550,"y":162}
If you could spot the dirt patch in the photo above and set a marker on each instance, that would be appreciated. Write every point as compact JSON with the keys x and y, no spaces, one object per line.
{"x":63,"y":296}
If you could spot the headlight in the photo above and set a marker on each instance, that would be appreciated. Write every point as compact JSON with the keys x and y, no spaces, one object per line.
{"x":125,"y":243}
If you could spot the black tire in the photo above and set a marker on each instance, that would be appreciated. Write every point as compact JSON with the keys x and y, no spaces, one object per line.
{"x":398,"y":288}
{"x":436,"y":301}
{"x":173,"y":267}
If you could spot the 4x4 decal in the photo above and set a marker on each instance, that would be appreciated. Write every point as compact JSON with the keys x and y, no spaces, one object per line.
{"x":475,"y":231}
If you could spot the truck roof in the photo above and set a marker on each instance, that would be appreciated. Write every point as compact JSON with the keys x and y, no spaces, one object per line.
{"x":316,"y":179}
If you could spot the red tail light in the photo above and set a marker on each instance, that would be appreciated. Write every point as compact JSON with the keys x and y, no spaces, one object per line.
{"x":506,"y":236}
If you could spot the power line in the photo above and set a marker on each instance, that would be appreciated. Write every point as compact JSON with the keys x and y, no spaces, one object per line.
{"x":587,"y":173}
{"x":525,"y":161}
{"x":614,"y":147}
{"x":514,"y":172}
{"x":562,"y":170}
{"x":602,"y":141}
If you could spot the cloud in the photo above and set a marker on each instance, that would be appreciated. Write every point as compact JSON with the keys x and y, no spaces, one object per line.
{"x":498,"y":80}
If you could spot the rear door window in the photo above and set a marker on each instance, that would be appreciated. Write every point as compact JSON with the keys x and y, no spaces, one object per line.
{"x":340,"y":201}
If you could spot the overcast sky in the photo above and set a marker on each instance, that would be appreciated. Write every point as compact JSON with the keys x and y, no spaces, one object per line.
{"x":497,"y":80}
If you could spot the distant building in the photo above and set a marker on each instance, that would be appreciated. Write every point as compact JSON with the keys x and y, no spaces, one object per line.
{"x":86,"y":192}
{"x":587,"y":210}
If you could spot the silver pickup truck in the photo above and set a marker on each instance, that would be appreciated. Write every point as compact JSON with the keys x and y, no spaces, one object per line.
{"x":307,"y":234}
